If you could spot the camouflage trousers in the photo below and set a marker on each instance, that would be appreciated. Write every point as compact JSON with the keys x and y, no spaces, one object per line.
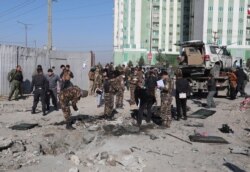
{"x":132,"y":94}
{"x":119,"y":98}
{"x":165,"y":111}
{"x":65,"y":107}
{"x":108,"y":104}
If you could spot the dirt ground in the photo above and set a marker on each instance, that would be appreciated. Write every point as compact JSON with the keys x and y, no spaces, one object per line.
{"x":110,"y":146}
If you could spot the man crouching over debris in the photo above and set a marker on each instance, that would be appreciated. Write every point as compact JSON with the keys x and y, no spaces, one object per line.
{"x":72,"y":94}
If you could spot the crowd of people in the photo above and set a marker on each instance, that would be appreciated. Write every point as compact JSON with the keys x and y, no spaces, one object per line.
{"x":109,"y":83}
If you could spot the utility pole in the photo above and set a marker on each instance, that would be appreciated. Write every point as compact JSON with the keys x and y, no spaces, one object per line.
{"x":151,"y":28}
{"x":49,"y":25}
{"x":26,"y":32}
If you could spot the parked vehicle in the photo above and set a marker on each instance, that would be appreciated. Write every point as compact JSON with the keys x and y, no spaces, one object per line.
{"x":196,"y":61}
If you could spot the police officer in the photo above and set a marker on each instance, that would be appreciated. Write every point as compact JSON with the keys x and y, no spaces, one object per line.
{"x":72,"y":94}
{"x":41,"y":86}
{"x":15,"y":78}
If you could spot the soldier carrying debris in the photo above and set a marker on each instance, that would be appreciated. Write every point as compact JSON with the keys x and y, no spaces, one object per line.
{"x":72,"y":94}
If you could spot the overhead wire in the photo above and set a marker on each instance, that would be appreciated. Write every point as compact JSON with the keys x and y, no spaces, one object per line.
{"x":24,"y":13}
{"x":16,"y":8}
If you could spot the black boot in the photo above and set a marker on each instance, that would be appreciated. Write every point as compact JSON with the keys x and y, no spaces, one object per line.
{"x":69,"y":125}
{"x":33,"y":111}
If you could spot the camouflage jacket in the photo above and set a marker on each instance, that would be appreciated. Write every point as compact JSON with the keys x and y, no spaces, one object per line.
{"x":168,"y":86}
{"x":72,"y":94}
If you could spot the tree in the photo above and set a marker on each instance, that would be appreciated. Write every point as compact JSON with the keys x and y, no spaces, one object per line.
{"x":162,"y":59}
{"x":248,"y":63}
{"x":141,"y":61}
{"x":130,"y":63}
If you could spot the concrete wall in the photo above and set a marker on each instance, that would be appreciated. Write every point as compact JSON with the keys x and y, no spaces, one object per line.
{"x":29,"y":58}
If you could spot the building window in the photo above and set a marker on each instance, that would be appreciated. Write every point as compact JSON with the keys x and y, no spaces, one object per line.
{"x":229,"y":42}
{"x":170,"y":33}
{"x":248,"y":31}
{"x":229,"y":20}
{"x":220,"y":8}
{"x":241,"y":9}
{"x":210,"y":8}
{"x":230,"y":9}
{"x":220,"y":19}
{"x":240,"y":32}
{"x":229,"y":31}
{"x":170,"y":49}
{"x":241,"y":20}
{"x":239,"y":42}
{"x":209,"y":19}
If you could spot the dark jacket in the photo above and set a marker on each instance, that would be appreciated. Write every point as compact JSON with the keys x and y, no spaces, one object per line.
{"x":39,"y":82}
{"x":241,"y":75}
{"x":143,"y":95}
{"x":211,"y":85}
{"x":182,"y":86}
{"x":151,"y":82}
{"x":15,"y":75}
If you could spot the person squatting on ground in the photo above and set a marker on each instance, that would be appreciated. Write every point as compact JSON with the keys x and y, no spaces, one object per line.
{"x":133,"y":82}
{"x":72,"y":94}
{"x":211,"y":87}
{"x":120,"y":91}
{"x":15,"y":78}
{"x":52,"y":90}
{"x":110,"y":88}
{"x":166,"y":100}
{"x":66,"y":76}
{"x":182,"y":91}
{"x":145,"y":100}
{"x":41,"y":87}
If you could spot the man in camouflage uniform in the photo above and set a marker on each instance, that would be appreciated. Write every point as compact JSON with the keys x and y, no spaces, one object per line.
{"x":15,"y":78}
{"x":110,"y":88}
{"x":72,"y":94}
{"x":166,"y":100}
{"x":98,"y":86}
{"x":120,"y":92}
{"x":133,"y":82}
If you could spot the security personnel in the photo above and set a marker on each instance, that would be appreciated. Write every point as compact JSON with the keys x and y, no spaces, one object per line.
{"x":41,"y":86}
{"x":166,"y":99}
{"x":72,"y":94}
{"x":110,"y":88}
{"x":15,"y":78}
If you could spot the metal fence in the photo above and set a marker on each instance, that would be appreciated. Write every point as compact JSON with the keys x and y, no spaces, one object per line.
{"x":29,"y":58}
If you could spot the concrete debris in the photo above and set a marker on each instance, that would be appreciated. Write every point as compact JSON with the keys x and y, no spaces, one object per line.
{"x":5,"y":143}
{"x":75,"y":159}
{"x":17,"y":146}
{"x":240,"y":150}
{"x":73,"y":169}
{"x":69,"y":154}
{"x":94,"y":128}
{"x":104,"y":155}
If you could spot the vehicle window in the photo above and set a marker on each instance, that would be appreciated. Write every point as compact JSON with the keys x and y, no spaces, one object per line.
{"x":193,"y":50}
{"x":217,"y":50}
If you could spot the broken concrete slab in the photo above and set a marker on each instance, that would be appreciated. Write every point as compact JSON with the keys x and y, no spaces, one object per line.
{"x":17,"y":146}
{"x":5,"y":143}
{"x":240,"y":150}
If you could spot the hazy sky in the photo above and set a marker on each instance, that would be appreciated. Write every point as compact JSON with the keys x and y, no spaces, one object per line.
{"x":78,"y":25}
